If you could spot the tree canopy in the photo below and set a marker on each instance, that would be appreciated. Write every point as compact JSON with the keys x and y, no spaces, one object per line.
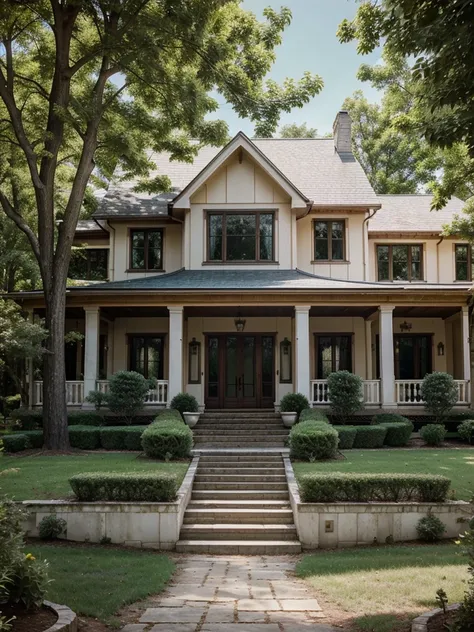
{"x":293,"y":130}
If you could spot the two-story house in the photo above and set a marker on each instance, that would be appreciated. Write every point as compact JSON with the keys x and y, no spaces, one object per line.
{"x":271,"y":264}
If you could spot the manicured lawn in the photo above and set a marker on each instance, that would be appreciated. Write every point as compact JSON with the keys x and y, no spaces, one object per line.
{"x":393,"y":584}
{"x":46,"y":477}
{"x":96,"y":581}
{"x":456,"y":464}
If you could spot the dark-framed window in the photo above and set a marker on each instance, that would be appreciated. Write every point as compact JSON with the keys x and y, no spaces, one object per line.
{"x":90,"y":264}
{"x":400,"y":262}
{"x":146,"y":354}
{"x":241,"y":236}
{"x":146,"y":249}
{"x":463,"y":262}
{"x":333,"y":353}
{"x":329,"y":240}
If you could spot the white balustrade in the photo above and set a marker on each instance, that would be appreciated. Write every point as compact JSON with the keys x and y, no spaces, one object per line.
{"x":75,"y":392}
{"x":371,"y":391}
{"x":408,"y":392}
{"x":320,"y":394}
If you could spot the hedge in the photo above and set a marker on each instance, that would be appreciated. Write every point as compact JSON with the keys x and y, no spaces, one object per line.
{"x":132,"y":487}
{"x":84,"y":418}
{"x":313,"y":440}
{"x":398,"y":433}
{"x":28,"y":419}
{"x":343,"y":487}
{"x":370,"y":437}
{"x":347,"y":435}
{"x":121,"y":437}
{"x":388,"y":418}
{"x":168,"y":437}
{"x":35,"y":438}
{"x":313,"y":414}
{"x":15,"y":442}
{"x":84,"y":437}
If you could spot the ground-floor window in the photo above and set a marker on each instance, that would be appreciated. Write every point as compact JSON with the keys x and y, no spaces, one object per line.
{"x":412,"y":354}
{"x":333,"y":353}
{"x":146,"y":355}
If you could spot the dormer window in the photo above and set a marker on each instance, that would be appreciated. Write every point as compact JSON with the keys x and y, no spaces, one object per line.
{"x":146,"y":249}
{"x":240,"y":237}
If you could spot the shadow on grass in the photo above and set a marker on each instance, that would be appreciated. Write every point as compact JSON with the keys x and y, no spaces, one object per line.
{"x":384,"y":622}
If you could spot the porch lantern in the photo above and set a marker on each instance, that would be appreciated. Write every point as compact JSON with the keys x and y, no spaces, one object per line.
{"x":285,"y":361}
{"x":239,"y":323}
{"x":440,"y":349}
{"x":405,"y":326}
{"x":194,"y":362}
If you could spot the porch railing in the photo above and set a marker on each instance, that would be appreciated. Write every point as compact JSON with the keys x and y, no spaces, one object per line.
{"x":408,"y":392}
{"x":75,"y":392}
{"x":320,"y":394}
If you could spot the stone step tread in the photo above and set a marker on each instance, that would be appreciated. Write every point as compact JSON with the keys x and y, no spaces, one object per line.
{"x":207,"y":445}
{"x":242,"y":527}
{"x":229,"y":515}
{"x":265,"y":505}
{"x":219,"y":494}
{"x":220,"y":432}
{"x":225,"y":468}
{"x":201,"y":477}
{"x":257,"y":486}
{"x":234,"y":547}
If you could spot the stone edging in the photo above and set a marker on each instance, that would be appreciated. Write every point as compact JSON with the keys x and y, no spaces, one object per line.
{"x":293,"y":490}
{"x":420,"y":624}
{"x":67,"y":619}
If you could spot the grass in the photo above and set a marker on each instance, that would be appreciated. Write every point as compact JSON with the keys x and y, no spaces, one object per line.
{"x":46,"y":477}
{"x":393,"y":584}
{"x":96,"y":581}
{"x":456,"y":464}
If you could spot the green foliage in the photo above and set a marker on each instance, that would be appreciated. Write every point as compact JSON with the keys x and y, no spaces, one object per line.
{"x":133,"y":487}
{"x":313,"y":440}
{"x":345,"y":393}
{"x":433,"y":434}
{"x":430,"y":528}
{"x":465,"y":615}
{"x":370,"y":437}
{"x":98,"y":398}
{"x":340,"y":487}
{"x":313,"y":414}
{"x":347,"y":435}
{"x":293,"y":403}
{"x":84,"y":437}
{"x":127,"y":393}
{"x":293,"y":130}
{"x":388,"y":418}
{"x":15,"y":443}
{"x":398,"y":433}
{"x":466,"y":430}
{"x":84,"y":418}
{"x":184,"y":403}
{"x":35,"y":438}
{"x":51,"y":527}
{"x":168,"y":437}
{"x":27,"y":419}
{"x":440,"y":393}
{"x":121,"y":437}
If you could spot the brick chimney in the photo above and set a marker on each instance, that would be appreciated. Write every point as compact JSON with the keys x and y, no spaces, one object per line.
{"x":341,"y":128}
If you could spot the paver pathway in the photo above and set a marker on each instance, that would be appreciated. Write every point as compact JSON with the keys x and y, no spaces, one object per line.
{"x":240,"y":594}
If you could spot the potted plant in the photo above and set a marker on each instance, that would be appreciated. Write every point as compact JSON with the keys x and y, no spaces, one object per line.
{"x":188,"y":406}
{"x":291,"y":406}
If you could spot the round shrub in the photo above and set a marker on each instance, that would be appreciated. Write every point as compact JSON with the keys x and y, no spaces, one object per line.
{"x":15,"y":442}
{"x":184,"y":403}
{"x":293,"y":403}
{"x":388,"y":418}
{"x":466,"y":430}
{"x":127,"y":393}
{"x":51,"y":527}
{"x":430,"y":528}
{"x":347,"y":435}
{"x":313,"y":440}
{"x":312,"y":414}
{"x":167,"y":438}
{"x":398,"y":433}
{"x":370,"y":437}
{"x":345,"y":393}
{"x":440,"y":393}
{"x":433,"y":434}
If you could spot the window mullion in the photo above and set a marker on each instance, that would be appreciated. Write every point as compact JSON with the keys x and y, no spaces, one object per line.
{"x":409,"y":262}
{"x":329,"y":225}
{"x":224,"y":237}
{"x":257,"y":236}
{"x":390,"y":263}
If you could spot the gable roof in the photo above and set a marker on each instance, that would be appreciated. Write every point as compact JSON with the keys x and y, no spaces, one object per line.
{"x":403,"y":213}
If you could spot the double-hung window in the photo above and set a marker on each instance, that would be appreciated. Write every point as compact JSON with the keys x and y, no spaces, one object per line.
{"x":400,"y":262}
{"x":329,"y":240}
{"x":463,"y":262}
{"x":146,"y":249}
{"x":333,"y":353}
{"x":147,"y":355}
{"x":89,"y":264}
{"x":241,"y":237}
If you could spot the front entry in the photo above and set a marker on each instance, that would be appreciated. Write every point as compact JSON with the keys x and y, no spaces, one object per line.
{"x":240,"y":371}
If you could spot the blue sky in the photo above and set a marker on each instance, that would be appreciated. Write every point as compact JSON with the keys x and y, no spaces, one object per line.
{"x":310,"y":43}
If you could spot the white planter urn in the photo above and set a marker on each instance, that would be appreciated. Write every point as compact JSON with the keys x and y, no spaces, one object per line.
{"x":289,"y":419}
{"x":191,"y":419}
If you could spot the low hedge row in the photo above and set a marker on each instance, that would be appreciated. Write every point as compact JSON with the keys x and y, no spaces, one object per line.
{"x":342,"y":487}
{"x":133,"y":487}
{"x":369,"y":437}
{"x":347,"y":435}
{"x":168,"y":437}
{"x":33,"y":419}
{"x":313,"y":414}
{"x":313,"y":440}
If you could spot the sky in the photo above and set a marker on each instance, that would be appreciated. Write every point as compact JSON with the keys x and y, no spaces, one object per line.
{"x":310,"y":43}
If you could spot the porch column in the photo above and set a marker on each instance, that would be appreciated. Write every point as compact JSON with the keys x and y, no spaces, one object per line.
{"x":368,"y":350}
{"x":466,"y":351}
{"x":387,"y":371}
{"x":302,"y":350}
{"x":175,"y":352}
{"x":91,"y":349}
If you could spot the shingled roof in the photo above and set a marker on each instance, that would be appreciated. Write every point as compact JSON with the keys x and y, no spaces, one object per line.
{"x":402,"y":213}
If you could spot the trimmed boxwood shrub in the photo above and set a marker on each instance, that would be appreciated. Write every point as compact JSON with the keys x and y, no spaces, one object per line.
{"x":430,"y":528}
{"x":349,"y":487}
{"x":84,"y":437}
{"x":132,"y":487}
{"x":127,"y":393}
{"x":433,"y":434}
{"x":398,"y":433}
{"x":345,"y":393}
{"x":28,"y":419}
{"x":370,"y":437}
{"x":120,"y":437}
{"x":294,"y":403}
{"x":35,"y":438}
{"x":347,"y":435}
{"x":15,"y":442}
{"x":167,"y":437}
{"x":466,"y":430}
{"x":388,"y":418}
{"x":313,"y":414}
{"x":440,"y":393}
{"x":85,"y":418}
{"x":313,"y":440}
{"x":184,"y":403}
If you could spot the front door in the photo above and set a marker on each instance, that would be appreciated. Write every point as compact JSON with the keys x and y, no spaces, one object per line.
{"x":412,"y":356}
{"x":240,"y":371}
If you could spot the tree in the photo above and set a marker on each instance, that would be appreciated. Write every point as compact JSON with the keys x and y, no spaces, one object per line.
{"x":293,"y":130}
{"x":87,"y":85}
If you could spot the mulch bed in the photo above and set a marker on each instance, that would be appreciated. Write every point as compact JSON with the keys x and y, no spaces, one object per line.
{"x":30,"y":621}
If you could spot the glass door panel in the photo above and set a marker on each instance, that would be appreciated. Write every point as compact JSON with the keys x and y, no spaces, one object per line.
{"x":248,"y":366}
{"x":213,"y":371}
{"x":231,"y":367}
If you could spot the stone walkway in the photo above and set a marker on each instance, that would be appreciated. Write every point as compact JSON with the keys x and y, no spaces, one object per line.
{"x":243,"y":594}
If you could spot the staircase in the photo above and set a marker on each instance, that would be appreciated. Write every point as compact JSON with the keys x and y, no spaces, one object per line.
{"x":239,"y":505}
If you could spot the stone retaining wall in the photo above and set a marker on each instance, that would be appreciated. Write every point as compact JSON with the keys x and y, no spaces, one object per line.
{"x":67,"y":619}
{"x":142,"y":524}
{"x":434,"y":621}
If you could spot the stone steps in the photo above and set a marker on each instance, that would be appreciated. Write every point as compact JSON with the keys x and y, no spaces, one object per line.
{"x":239,"y":547}
{"x":237,"y":477}
{"x":245,"y":471}
{"x":239,"y":432}
{"x":226,"y":531}
{"x":228,"y":515}
{"x":240,"y":494}
{"x":230,"y":505}
{"x":245,"y":486}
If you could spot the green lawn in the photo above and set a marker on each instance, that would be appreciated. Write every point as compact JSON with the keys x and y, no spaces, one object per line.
{"x":46,"y":477}
{"x":382,"y":589}
{"x":456,"y":464}
{"x":96,"y":581}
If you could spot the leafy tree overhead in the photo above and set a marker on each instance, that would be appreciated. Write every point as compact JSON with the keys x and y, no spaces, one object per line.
{"x":293,"y":130}
{"x":87,"y":85}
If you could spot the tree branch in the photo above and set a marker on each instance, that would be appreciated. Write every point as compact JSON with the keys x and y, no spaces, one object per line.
{"x":22,"y":225}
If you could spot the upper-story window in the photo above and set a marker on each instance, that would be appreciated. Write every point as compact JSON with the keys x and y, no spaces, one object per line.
{"x":400,"y":262}
{"x":240,"y":237}
{"x":463,"y":261}
{"x":89,"y":264}
{"x":329,"y":240}
{"x":146,"y":252}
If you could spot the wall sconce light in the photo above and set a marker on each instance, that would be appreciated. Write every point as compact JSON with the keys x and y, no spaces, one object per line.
{"x":285,"y":361}
{"x":239,"y":323}
{"x":194,"y":362}
{"x":440,"y":349}
{"x":405,"y":326}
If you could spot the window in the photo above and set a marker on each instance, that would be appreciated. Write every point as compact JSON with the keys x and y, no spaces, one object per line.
{"x":463,"y":262}
{"x":333,"y":353}
{"x":329,"y":240}
{"x":146,"y":249}
{"x":89,"y":264}
{"x":400,"y":262}
{"x":146,"y":355}
{"x":240,"y":237}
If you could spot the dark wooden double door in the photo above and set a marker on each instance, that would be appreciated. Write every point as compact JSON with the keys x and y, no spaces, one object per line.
{"x":240,"y":370}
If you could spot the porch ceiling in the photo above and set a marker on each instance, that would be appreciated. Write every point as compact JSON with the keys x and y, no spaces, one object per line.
{"x":421,"y":311}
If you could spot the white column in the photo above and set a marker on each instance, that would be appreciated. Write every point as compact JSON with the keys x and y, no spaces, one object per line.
{"x":91,"y":349}
{"x":368,"y":350}
{"x":175,"y":352}
{"x":387,"y":370}
{"x":30,"y":371}
{"x":302,"y":381}
{"x":466,"y":351}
